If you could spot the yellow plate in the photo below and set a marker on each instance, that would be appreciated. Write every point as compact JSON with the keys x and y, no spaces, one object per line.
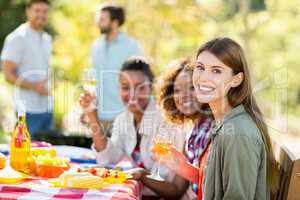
{"x":9,"y":176}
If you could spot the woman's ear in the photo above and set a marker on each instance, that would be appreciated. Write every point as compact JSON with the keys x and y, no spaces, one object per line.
{"x":237,"y":79}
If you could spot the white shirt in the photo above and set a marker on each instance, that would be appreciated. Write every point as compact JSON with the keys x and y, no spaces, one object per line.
{"x":31,"y":51}
{"x":123,"y":140}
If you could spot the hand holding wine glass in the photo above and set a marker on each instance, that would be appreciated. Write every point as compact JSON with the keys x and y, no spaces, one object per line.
{"x":162,"y":143}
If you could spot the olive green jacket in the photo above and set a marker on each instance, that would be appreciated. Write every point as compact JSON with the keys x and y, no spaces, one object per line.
{"x":237,"y":162}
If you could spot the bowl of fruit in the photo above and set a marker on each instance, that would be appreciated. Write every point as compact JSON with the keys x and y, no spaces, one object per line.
{"x":48,"y":166}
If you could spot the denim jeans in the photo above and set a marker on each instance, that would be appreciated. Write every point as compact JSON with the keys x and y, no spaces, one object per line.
{"x":38,"y":123}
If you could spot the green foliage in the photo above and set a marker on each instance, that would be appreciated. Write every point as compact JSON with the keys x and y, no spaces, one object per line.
{"x":11,"y":15}
{"x":176,"y":28}
{"x":268,"y":30}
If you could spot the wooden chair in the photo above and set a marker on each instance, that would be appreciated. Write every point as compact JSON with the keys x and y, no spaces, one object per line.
{"x":289,"y":173}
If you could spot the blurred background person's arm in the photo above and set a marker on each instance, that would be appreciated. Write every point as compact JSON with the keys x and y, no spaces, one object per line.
{"x":11,"y":76}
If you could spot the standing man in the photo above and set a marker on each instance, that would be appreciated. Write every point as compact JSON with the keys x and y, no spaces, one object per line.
{"x":108,"y":54}
{"x":25,"y":62}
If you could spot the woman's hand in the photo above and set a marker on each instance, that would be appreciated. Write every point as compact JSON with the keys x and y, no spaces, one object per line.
{"x":137,"y":173}
{"x":90,"y":115}
{"x":174,"y":160}
{"x":88,"y":102}
{"x":178,"y":163}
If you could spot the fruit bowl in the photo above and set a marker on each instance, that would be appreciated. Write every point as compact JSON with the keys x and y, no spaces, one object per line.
{"x":48,"y":166}
{"x":50,"y":171}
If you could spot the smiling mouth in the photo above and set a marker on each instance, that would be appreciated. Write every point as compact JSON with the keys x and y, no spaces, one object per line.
{"x":132,"y":103}
{"x":205,"y":89}
{"x":187,"y":104}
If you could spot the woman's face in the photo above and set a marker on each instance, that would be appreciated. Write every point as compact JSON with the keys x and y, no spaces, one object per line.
{"x":212,"y":79}
{"x":135,"y":90}
{"x":184,"y":94}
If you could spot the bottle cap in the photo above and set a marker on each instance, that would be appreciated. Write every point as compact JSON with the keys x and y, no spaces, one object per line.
{"x":21,"y":113}
{"x":20,"y":109}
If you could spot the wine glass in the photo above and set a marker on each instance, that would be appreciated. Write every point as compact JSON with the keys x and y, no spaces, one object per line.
{"x":89,"y":81}
{"x":89,"y":86}
{"x":161,"y":144}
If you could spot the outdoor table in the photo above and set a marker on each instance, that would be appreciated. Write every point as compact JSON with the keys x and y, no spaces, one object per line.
{"x":40,"y":189}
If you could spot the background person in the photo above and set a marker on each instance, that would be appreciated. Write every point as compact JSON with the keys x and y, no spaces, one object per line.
{"x":25,"y":62}
{"x":109,"y":52}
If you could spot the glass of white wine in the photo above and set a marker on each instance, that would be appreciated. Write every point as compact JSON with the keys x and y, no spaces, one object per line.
{"x":89,"y":85}
{"x":161,"y":144}
{"x":89,"y":81}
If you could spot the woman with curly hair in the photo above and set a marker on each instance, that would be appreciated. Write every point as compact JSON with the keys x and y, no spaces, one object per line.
{"x":177,"y":99}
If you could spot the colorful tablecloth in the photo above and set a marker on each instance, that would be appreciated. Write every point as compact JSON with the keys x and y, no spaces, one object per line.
{"x":40,"y":190}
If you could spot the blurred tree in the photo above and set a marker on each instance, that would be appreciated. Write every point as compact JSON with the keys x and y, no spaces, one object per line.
{"x":175,"y":28}
{"x":11,"y":16}
{"x":267,"y":29}
{"x":254,"y":5}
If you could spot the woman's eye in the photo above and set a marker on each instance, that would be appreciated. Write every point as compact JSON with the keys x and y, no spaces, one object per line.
{"x":176,"y":91}
{"x":217,"y":71}
{"x":141,"y":88}
{"x":125,"y":88}
{"x":200,"y":67}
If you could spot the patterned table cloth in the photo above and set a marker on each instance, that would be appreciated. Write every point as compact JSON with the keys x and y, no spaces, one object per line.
{"x":41,"y":190}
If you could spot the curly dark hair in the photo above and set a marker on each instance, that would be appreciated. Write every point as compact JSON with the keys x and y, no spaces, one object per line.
{"x":165,"y":92}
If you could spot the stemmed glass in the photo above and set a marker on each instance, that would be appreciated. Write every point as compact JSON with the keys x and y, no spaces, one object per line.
{"x":161,"y":144}
{"x":88,"y":85}
{"x":89,"y":81}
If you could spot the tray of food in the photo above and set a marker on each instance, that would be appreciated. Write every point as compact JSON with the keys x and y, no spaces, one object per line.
{"x":90,"y":178}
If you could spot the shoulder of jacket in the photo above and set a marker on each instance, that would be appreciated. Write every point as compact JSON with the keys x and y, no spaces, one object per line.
{"x":240,"y":126}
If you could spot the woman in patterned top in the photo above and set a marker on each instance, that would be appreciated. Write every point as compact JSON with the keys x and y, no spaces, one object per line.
{"x":177,"y":99}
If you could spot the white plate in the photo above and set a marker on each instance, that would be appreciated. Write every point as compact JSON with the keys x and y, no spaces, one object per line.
{"x":74,"y":152}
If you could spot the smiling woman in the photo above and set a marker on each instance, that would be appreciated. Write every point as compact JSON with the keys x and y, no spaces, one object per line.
{"x":215,"y":77}
{"x":136,"y":84}
{"x":176,"y":93}
{"x":135,"y":128}
{"x":241,"y":147}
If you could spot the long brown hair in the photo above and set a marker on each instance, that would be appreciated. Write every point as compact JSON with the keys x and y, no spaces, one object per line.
{"x":232,"y":55}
